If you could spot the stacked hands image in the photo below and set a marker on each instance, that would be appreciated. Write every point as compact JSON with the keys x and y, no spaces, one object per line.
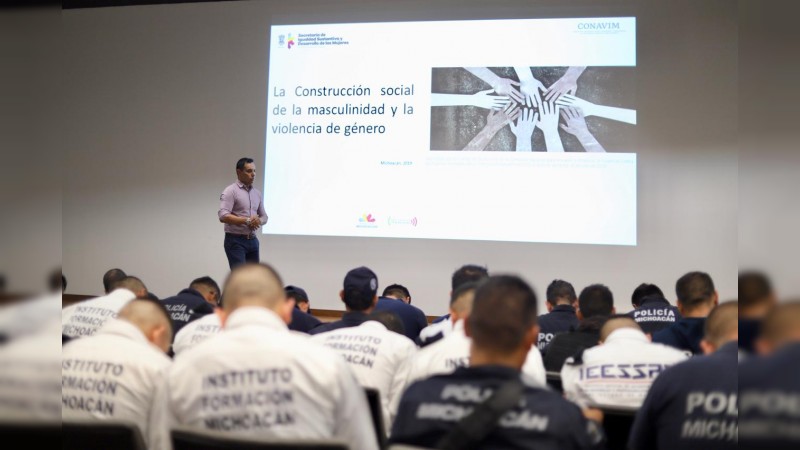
{"x":523,"y":106}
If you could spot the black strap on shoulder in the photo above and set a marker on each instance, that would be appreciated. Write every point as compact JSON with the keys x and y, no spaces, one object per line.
{"x":475,"y":426}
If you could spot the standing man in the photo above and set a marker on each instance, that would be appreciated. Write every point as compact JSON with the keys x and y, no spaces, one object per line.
{"x":241,"y":209}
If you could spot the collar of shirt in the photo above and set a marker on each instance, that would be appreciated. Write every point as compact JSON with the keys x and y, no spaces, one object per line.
{"x":564,"y":308}
{"x":730,"y":348}
{"x":255,"y":315}
{"x":626,"y":334}
{"x":354,"y":317}
{"x":373,"y":325}
{"x":243,"y":186}
{"x":458,"y":327}
{"x":491,"y":370}
{"x":654,"y":300}
{"x":123,"y":328}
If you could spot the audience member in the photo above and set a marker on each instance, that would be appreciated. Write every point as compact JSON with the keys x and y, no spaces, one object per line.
{"x":769,"y":385}
{"x":85,"y":318}
{"x":302,"y":321}
{"x":113,"y":374}
{"x":442,"y":326}
{"x":651,"y":310}
{"x":560,"y":317}
{"x":290,"y":387}
{"x":192,"y":303}
{"x":394,"y":300}
{"x":756,"y":300}
{"x":435,"y":412}
{"x":359,"y":296}
{"x":693,"y":405}
{"x":196,"y":332}
{"x":112,"y":277}
{"x":595,"y":304}
{"x":379,"y":358}
{"x":696,"y":298}
{"x":453,"y":351}
{"x":618,"y":372}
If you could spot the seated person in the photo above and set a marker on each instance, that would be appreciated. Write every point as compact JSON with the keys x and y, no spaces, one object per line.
{"x":619,"y":371}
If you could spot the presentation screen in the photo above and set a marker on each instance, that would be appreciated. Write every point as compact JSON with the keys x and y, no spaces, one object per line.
{"x":496,"y":130}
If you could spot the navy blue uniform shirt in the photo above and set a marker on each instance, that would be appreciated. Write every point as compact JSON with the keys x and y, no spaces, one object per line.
{"x":769,"y":389}
{"x":685,"y":334}
{"x":543,"y":420}
{"x":303,"y":322}
{"x":349,"y":319}
{"x":560,"y":320}
{"x":187,"y":306}
{"x":413,"y":318}
{"x":655,"y":314}
{"x":691,"y":405}
{"x":749,"y":329}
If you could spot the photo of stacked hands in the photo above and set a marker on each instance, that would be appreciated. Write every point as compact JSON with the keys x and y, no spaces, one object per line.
{"x":528,"y":104}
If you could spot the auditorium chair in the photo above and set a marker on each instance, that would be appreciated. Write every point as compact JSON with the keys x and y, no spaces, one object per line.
{"x":34,"y":435}
{"x":194,"y":439}
{"x":102,"y":436}
{"x":554,"y":381}
{"x":375,"y":409}
{"x":617,"y":423}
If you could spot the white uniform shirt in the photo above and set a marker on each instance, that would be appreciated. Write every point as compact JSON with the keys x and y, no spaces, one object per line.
{"x":452,"y":352}
{"x":196,"y":332}
{"x":30,"y":376}
{"x":85,"y":318}
{"x":258,"y":379}
{"x":29,"y":316}
{"x":379,"y":358}
{"x":112,"y":375}
{"x":444,"y":327}
{"x":619,"y":372}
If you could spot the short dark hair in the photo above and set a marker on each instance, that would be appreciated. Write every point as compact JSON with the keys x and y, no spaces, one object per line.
{"x":389,"y":319}
{"x":205,"y":281}
{"x":131,"y":283}
{"x":356,"y":300}
{"x":694,"y":289}
{"x":242,"y":161}
{"x":467,"y":273}
{"x":596,"y":300}
{"x":645,"y":290}
{"x":297,"y":293}
{"x":111,"y":277}
{"x":396,"y":289}
{"x":754,"y":288}
{"x":503,"y":311}
{"x":560,"y":289}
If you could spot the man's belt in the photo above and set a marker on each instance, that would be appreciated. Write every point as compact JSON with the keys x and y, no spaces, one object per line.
{"x":246,"y":236}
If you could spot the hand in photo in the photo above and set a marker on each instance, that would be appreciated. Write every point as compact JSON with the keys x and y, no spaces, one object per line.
{"x":523,"y":129}
{"x":567,"y":84}
{"x":495,"y":121}
{"x":590,"y":109}
{"x":575,"y":124}
{"x":548,"y":123}
{"x":530,"y":87}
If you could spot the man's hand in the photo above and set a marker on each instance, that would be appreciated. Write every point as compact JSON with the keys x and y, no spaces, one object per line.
{"x":593,"y":414}
{"x":523,"y":129}
{"x":507,"y":87}
{"x":567,"y":84}
{"x":548,"y":118}
{"x":498,"y":119}
{"x":574,"y":122}
{"x":482,"y":99}
{"x":255,"y":222}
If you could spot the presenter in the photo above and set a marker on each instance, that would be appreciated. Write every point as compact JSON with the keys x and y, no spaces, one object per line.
{"x":241,"y":209}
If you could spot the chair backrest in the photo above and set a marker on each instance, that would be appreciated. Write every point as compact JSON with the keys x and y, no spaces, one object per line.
{"x":617,"y":424}
{"x":554,"y":381}
{"x":193,"y":439}
{"x":406,"y":447}
{"x":102,"y":436}
{"x":34,"y":435}
{"x":375,"y":409}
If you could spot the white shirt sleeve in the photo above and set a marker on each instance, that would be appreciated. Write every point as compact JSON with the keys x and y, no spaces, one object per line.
{"x":400,"y":380}
{"x":534,"y":366}
{"x":353,"y":422}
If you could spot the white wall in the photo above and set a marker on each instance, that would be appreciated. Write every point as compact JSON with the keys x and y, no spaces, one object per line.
{"x":162,"y":100}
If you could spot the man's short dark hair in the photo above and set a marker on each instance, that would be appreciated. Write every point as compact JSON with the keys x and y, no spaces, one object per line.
{"x":357,"y":300}
{"x":131,"y":283}
{"x":694,"y":289}
{"x":754,"y":288}
{"x":241,"y":163}
{"x":645,"y":290}
{"x":298,"y":294}
{"x":560,"y":290}
{"x":467,"y":273}
{"x":111,"y":277}
{"x":389,"y":319}
{"x":396,"y":290}
{"x":503,"y":311}
{"x":207,"y":282}
{"x":596,"y":300}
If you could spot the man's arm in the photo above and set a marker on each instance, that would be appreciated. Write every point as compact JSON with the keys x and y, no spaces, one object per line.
{"x":225,"y":212}
{"x":262,"y":214}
